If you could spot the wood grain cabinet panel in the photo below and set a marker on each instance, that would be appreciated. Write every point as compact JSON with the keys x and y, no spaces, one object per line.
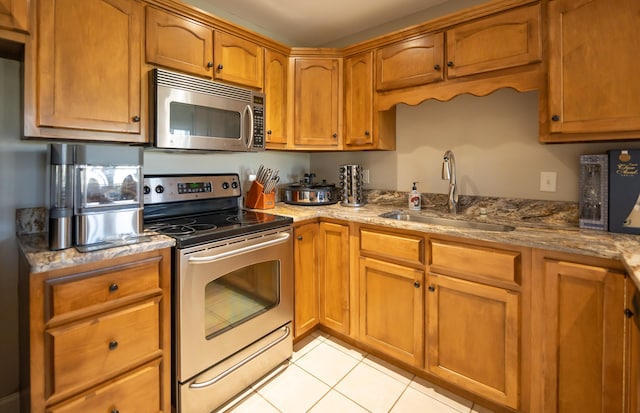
{"x":238,"y":60}
{"x":89,"y":74}
{"x":14,"y":14}
{"x":388,"y":245}
{"x":473,"y":337}
{"x":179,"y":43}
{"x":334,"y":276}
{"x":305,"y":256}
{"x":497,"y":42}
{"x":275,"y":89}
{"x":594,"y":87}
{"x":411,"y":62}
{"x":359,"y":100}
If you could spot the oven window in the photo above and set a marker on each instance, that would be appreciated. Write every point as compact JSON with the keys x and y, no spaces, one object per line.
{"x":240,"y":296}
{"x":192,"y":120}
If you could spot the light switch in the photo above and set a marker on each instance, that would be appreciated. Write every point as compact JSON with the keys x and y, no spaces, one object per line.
{"x":548,"y":181}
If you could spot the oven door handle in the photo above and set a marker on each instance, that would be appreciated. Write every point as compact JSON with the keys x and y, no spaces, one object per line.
{"x":242,"y":362}
{"x":280,"y":238}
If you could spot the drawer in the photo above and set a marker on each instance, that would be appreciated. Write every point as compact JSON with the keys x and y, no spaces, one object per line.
{"x":68,"y":294}
{"x":137,"y":391}
{"x":488,"y":263}
{"x":87,"y":352}
{"x":406,"y":248}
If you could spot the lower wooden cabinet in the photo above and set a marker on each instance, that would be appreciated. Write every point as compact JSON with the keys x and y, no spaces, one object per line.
{"x":632,"y":347}
{"x":334,"y":276}
{"x":97,"y":336}
{"x":305,"y":257}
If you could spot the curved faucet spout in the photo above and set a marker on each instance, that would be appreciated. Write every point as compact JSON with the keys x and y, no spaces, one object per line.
{"x":449,"y":173}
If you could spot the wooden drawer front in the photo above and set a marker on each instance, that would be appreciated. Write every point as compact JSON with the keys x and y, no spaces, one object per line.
{"x":86,"y":352}
{"x":395,"y":246}
{"x":456,"y":259}
{"x":138,"y":391}
{"x":78,"y":292}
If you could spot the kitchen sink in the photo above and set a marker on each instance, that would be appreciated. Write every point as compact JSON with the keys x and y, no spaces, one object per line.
{"x":449,"y":222}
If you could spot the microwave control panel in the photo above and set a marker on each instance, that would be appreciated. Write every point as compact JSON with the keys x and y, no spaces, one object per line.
{"x":258,"y":121}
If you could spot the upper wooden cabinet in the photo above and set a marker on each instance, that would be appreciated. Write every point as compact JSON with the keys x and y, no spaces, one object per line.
{"x":14,"y":14}
{"x":237,"y":60}
{"x":318,"y":103}
{"x":594,"y":87}
{"x":178,"y":43}
{"x":496,"y":42}
{"x":411,"y":62}
{"x":88,"y":75}
{"x":275,"y":89}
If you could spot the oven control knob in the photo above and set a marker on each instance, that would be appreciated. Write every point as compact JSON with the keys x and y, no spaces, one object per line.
{"x":225,"y":185}
{"x":234,"y":185}
{"x":146,"y":190}
{"x":159,"y":189}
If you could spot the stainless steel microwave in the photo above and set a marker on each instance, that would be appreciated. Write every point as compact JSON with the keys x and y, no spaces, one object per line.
{"x":190,"y":113}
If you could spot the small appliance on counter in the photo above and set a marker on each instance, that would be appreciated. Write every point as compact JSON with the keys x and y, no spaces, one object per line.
{"x":308,"y":192}
{"x":60,"y":196}
{"x":624,"y":191}
{"x":351,"y":184}
{"x":594,"y":183}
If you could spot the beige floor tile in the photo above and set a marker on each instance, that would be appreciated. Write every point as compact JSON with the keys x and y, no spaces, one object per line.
{"x":345,"y":347}
{"x":479,"y":409}
{"x":252,"y":403}
{"x":335,"y":402}
{"x":371,"y":388}
{"x":305,"y":345}
{"x":445,"y":396}
{"x":294,"y":390}
{"x":413,"y":401}
{"x":327,"y":363}
{"x":388,"y":368}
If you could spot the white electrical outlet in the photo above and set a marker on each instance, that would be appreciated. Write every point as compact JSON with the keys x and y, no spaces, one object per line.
{"x":548,"y":181}
{"x":365,"y":176}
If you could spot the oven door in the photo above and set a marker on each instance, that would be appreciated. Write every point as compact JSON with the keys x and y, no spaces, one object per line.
{"x":229,"y":295}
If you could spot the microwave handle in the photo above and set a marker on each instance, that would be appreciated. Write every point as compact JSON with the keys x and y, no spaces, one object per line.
{"x":249,"y":110}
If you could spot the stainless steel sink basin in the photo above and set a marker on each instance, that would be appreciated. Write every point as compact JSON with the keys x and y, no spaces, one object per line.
{"x":484,"y":226}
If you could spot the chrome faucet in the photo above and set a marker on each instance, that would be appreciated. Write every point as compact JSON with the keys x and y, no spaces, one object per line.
{"x":449,"y":172}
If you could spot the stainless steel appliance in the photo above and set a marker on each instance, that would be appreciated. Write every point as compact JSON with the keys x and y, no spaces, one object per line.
{"x":190,"y":113}
{"x":308,"y":192}
{"x":351,"y":185}
{"x":61,"y":157}
{"x":108,"y":195}
{"x":232,"y":286}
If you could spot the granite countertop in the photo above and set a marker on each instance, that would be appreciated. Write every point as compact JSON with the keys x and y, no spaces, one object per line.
{"x":539,"y":224}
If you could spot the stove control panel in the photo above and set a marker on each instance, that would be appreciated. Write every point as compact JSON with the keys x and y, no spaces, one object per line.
{"x":173,"y":188}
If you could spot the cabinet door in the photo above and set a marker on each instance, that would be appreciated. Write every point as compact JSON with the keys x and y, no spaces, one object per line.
{"x":334,"y":276}
{"x":473,"y":337}
{"x":306,"y":278}
{"x":14,"y":14}
{"x":505,"y":40}
{"x":359,"y":100}
{"x":412,"y":62}
{"x":317,"y":103}
{"x":392,"y":309}
{"x":275,"y":89}
{"x":632,"y":363}
{"x":89,"y":73}
{"x":593,"y":72}
{"x":179,"y":43}
{"x":583,"y":338}
{"x":237,"y":60}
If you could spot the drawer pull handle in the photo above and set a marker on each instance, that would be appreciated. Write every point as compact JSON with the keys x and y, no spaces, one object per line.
{"x":432,"y":288}
{"x":113,"y":288}
{"x":113,"y":345}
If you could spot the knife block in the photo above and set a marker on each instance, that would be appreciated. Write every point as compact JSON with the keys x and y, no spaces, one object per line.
{"x":259,"y":200}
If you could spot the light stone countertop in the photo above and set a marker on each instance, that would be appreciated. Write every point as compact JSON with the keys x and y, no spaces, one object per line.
{"x":558,"y":236}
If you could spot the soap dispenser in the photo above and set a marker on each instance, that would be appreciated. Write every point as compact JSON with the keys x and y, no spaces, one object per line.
{"x":414,"y":198}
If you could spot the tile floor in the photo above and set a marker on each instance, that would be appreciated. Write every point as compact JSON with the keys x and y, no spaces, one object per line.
{"x":328,"y":375}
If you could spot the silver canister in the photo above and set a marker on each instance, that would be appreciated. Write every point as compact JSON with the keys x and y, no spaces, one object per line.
{"x":351,"y":185}
{"x":61,"y":196}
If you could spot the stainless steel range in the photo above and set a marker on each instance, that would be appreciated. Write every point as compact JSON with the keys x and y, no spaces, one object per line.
{"x":232,"y":286}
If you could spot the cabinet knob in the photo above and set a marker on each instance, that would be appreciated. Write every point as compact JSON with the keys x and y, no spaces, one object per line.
{"x":436,"y":67}
{"x":555,"y":118}
{"x":220,"y":67}
{"x":416,"y":284}
{"x":432,"y":288}
{"x":209,"y":65}
{"x":136,"y":118}
{"x":366,"y":133}
{"x":114,"y":410}
{"x":335,"y":135}
{"x":113,"y":345}
{"x":450,"y":63}
{"x":299,"y":237}
{"x":113,"y":288}
{"x":269,"y":132}
{"x":628,"y":313}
